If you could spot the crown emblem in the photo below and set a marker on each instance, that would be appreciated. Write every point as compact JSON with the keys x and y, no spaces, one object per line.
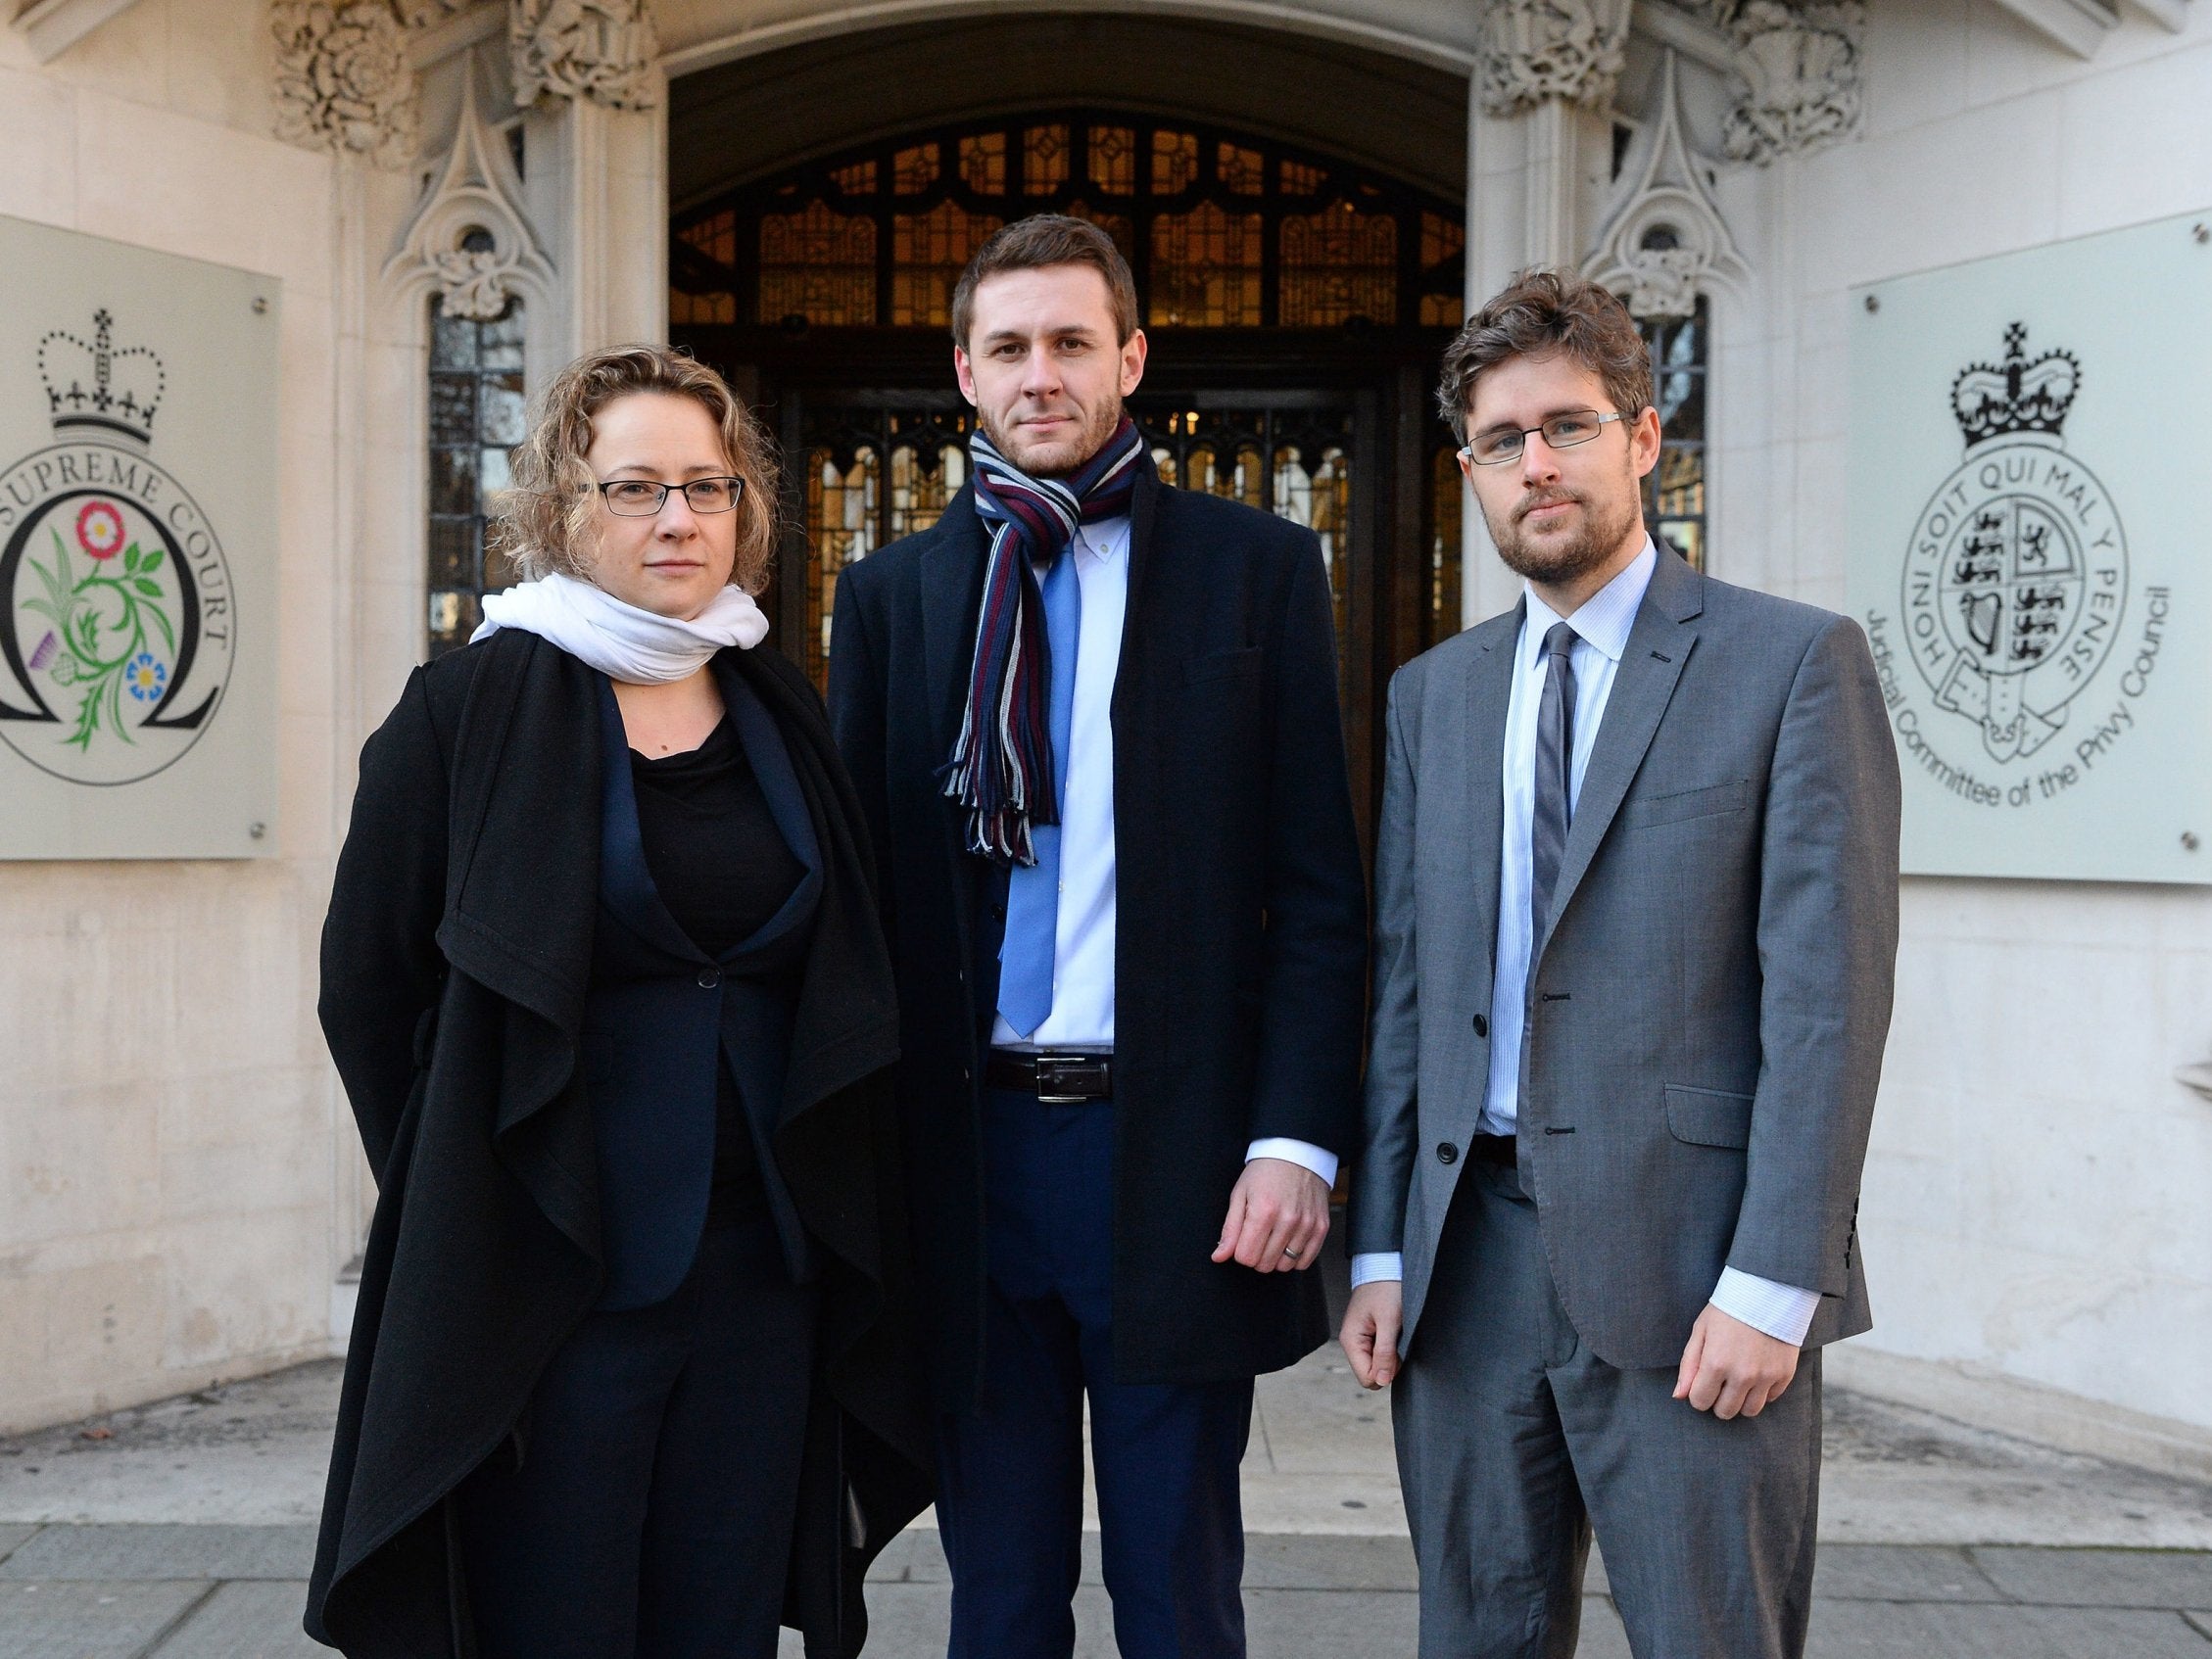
{"x":1996,"y":399}
{"x":95,"y":385}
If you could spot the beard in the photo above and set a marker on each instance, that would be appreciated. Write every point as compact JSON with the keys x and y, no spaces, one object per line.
{"x":1054,"y":457}
{"x":1561,"y":560}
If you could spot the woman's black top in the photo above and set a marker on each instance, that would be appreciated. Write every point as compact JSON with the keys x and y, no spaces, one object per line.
{"x":723,"y":869}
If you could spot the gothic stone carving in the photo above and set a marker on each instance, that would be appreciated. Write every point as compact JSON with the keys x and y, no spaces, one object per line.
{"x":603,"y":50}
{"x":1800,"y":77}
{"x":471,"y":237}
{"x":343,"y":80}
{"x":1539,"y":48}
{"x":1666,"y":240}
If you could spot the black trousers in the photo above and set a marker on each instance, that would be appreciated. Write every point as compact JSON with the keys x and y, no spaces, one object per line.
{"x":652,"y":1515}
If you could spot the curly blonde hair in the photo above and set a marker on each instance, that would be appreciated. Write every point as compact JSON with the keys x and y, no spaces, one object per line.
{"x":549,"y":520}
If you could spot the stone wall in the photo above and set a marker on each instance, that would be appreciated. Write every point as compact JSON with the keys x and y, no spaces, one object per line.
{"x":169,"y":1172}
{"x":2038,"y":1201}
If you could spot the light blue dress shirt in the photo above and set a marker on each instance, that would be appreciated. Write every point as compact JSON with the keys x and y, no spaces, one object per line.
{"x":1083,"y":952}
{"x":1601,"y":626}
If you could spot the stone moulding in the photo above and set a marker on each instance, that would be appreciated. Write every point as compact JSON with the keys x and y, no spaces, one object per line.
{"x":344,"y":83}
{"x":1664,"y":241}
{"x":602,"y":50}
{"x":476,"y":191}
{"x":1533,"y":50}
{"x":1799,"y":69}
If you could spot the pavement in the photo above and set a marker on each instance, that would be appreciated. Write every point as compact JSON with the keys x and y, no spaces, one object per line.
{"x":184,"y":1530}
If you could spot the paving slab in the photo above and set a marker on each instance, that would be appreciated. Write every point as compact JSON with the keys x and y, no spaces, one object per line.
{"x":1900,"y":1572}
{"x":2100,"y":1577}
{"x":90,"y":1620}
{"x":166,"y":1551}
{"x":245,"y":1621}
{"x":11,"y":1537}
{"x":1904,"y":1629}
{"x":2202,"y":1621}
{"x":1293,"y":1561}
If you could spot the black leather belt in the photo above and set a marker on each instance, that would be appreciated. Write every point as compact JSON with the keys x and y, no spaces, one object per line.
{"x":1500,"y":1150}
{"x":1056,"y":1078}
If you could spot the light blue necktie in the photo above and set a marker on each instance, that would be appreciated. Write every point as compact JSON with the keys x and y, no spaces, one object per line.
{"x":1032,"y":890}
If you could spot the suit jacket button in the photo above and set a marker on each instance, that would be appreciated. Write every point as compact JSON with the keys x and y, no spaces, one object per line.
{"x":1482,"y":1025}
{"x":709,"y":978}
{"x":1447,"y":1153}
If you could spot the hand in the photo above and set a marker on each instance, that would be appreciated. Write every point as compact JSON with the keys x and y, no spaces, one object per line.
{"x":1370,"y":1338}
{"x":1278,"y":1217}
{"x":1731,"y":1368}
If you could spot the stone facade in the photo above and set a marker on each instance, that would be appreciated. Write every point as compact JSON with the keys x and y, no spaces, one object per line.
{"x":179,"y":1187}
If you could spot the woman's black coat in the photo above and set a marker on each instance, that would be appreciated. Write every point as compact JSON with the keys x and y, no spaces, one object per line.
{"x":455,"y":964}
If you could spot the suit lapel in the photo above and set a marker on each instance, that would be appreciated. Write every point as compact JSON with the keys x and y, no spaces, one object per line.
{"x":953,"y":588}
{"x":1489,"y":693}
{"x":1658,"y":646}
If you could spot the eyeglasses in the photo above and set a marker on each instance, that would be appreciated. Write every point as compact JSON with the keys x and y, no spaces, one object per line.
{"x":1561,"y":432}
{"x":641,"y":498}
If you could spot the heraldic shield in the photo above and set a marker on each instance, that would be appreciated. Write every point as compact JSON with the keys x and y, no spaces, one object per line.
{"x":2016,"y":577}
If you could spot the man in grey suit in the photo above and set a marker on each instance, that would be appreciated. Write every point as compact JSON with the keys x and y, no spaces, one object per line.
{"x":1636,"y":924}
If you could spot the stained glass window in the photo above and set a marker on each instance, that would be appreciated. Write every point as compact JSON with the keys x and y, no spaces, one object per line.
{"x":982,"y":162}
{"x":1674,"y":491}
{"x":929,"y":252}
{"x":1225,"y":230}
{"x":1113,"y":159}
{"x":818,"y":263}
{"x":1337,"y":265}
{"x":1206,"y":268}
{"x":1174,"y":162}
{"x":476,"y":416}
{"x":1242,"y":171}
{"x":1444,"y":502}
{"x":1045,"y":158}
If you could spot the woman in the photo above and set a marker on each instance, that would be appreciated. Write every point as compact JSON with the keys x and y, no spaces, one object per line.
{"x":604,"y":980}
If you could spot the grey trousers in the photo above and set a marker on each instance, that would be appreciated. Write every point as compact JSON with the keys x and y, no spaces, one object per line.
{"x":1514,"y":1440}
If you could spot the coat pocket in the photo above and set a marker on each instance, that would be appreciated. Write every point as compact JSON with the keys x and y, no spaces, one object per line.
{"x":1224,"y":665}
{"x":1708,"y":1117}
{"x":1731,"y":796}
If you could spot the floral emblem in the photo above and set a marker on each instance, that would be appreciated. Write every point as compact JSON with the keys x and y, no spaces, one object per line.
{"x":99,"y":529}
{"x":105,"y":623}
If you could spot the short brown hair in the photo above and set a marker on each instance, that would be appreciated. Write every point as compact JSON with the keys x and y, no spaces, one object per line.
{"x":1040,"y":241}
{"x":1539,"y":313}
{"x":546,"y":521}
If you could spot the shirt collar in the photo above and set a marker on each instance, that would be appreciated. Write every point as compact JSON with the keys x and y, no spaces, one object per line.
{"x":1606,"y":617}
{"x":1105,"y":538}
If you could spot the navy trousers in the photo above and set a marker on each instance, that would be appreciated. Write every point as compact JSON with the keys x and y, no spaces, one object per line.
{"x":652,"y":1515}
{"x":1011,"y":1475}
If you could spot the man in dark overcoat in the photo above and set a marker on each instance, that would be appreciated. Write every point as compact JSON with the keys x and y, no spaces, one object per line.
{"x":1093,"y":724}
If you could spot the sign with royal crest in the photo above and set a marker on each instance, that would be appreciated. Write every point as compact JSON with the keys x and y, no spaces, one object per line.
{"x":2031,"y":553}
{"x":137,"y":547}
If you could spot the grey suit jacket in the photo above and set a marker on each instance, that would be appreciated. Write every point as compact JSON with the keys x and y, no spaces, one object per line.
{"x":1706,"y":1009}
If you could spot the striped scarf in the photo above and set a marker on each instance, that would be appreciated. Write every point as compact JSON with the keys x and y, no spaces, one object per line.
{"x":1002,"y":767}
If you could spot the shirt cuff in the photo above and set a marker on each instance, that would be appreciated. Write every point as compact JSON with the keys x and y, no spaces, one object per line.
{"x":1783,"y":1311}
{"x":1375,"y":1265}
{"x":1304,"y":1154}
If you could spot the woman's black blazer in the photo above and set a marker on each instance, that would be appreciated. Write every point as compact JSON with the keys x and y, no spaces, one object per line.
{"x":454,"y":968}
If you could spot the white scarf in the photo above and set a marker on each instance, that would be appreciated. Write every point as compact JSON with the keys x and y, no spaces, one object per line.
{"x":640,"y":647}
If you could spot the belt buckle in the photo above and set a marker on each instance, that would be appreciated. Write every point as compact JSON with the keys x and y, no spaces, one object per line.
{"x":1057,"y":1072}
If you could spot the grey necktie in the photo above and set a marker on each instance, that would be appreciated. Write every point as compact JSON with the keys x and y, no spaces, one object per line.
{"x":1555,"y":757}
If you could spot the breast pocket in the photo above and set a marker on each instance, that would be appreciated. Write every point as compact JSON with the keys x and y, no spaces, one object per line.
{"x":1238,"y":664}
{"x":1679,"y":806}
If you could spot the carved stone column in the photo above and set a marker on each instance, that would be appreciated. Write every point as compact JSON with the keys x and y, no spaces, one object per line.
{"x":589,"y":75}
{"x":1539,"y":160}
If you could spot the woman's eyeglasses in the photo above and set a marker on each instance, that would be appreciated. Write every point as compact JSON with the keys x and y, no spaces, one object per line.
{"x":641,"y":498}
